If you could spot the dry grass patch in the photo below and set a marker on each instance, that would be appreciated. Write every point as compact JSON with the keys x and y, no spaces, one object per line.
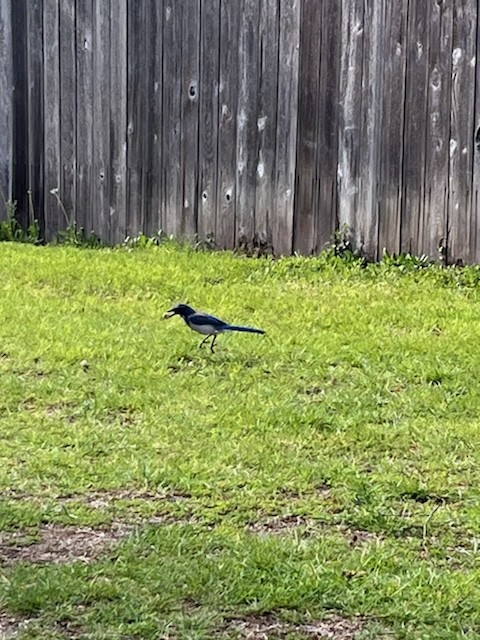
{"x":59,"y":544}
{"x":269,"y":627}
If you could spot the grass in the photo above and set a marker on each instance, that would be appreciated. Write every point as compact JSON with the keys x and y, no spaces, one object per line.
{"x":330,"y":467}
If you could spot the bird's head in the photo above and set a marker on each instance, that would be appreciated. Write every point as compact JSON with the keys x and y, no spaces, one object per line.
{"x":182,"y":310}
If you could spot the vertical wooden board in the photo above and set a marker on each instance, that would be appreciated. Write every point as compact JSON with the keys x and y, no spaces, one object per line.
{"x":172,"y":90}
{"x":101,"y":120}
{"x":475,"y":196}
{"x":350,"y":119}
{"x":415,"y":126}
{"x":286,"y":140}
{"x":136,"y":102}
{"x":328,"y":119}
{"x":433,"y":235}
{"x":118,"y":121}
{"x":67,"y":107}
{"x":371,"y":126}
{"x":266,"y":122}
{"x":6,"y":105}
{"x":20,"y":111}
{"x":155,"y":218}
{"x":84,"y":113}
{"x":35,"y":110}
{"x":54,"y":217}
{"x":248,"y":68}
{"x":189,"y":127}
{"x":393,"y":122}
{"x":311,"y":35}
{"x":465,"y":16}
{"x":208,"y":158}
{"x":227,"y":123}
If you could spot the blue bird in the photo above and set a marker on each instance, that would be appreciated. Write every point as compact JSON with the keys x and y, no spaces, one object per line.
{"x":208,"y":325}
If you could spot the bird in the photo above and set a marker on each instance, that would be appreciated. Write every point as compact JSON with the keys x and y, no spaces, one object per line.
{"x":207,"y":325}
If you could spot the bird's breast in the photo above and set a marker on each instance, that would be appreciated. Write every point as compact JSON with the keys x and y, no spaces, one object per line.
{"x":205,"y":329}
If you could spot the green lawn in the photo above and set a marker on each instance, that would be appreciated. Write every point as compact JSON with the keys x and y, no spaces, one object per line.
{"x":324,"y":478}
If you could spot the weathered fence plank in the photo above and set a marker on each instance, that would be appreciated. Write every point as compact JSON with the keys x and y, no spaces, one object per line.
{"x":248,"y":66}
{"x":172,"y":69}
{"x":371,"y":109}
{"x":464,"y":53}
{"x":266,"y":123}
{"x":227,"y":124}
{"x":118,"y":121}
{"x":286,"y":140}
{"x":155,"y":154}
{"x":6,"y":106}
{"x":306,"y":188}
{"x":393,"y":123}
{"x":67,"y":107}
{"x":84,"y":113}
{"x":328,"y":118}
{"x":189,"y":125}
{"x":136,"y":113}
{"x":350,"y":124}
{"x":54,"y":217}
{"x":475,"y":196}
{"x":433,"y":234}
{"x":416,"y":98}
{"x":101,"y":119}
{"x":35,"y":111}
{"x":209,"y":100}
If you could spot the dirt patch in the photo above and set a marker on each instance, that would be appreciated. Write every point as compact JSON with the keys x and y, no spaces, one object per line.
{"x":59,"y":544}
{"x":10,"y":625}
{"x":269,"y":627}
{"x":281,"y":525}
{"x":276,"y":525}
{"x":107,"y":497}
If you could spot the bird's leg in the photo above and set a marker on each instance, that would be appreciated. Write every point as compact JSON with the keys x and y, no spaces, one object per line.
{"x":213,"y":343}
{"x":204,"y":341}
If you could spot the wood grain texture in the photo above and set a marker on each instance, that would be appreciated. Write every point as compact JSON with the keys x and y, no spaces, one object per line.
{"x":326,"y":207}
{"x":371,"y":110}
{"x":247,"y":140}
{"x":475,"y":196}
{"x":35,"y":119}
{"x":350,"y":115}
{"x":416,"y":99}
{"x":189,"y":126}
{"x":136,"y":112}
{"x":391,"y":151}
{"x":464,"y":57}
{"x":266,"y":123}
{"x":172,"y":96}
{"x":209,"y":101}
{"x":118,"y":121}
{"x":68,"y":107}
{"x":227,"y":124}
{"x":101,"y":164}
{"x":84,"y":114}
{"x":252,"y":122}
{"x":6,"y":106}
{"x":54,"y":217}
{"x":306,"y":189}
{"x":286,"y":137}
{"x":433,"y":233}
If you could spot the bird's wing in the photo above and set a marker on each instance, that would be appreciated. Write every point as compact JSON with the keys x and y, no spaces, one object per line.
{"x":202,"y":319}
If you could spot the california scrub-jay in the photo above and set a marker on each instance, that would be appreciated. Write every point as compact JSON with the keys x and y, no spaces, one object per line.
{"x":208,"y":325}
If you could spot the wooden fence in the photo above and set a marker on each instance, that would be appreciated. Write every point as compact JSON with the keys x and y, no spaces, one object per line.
{"x":265,"y":121}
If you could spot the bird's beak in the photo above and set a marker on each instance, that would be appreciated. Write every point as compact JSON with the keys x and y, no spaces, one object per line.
{"x":169,"y":314}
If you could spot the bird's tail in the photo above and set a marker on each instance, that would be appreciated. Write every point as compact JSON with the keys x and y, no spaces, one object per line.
{"x":233,"y":327}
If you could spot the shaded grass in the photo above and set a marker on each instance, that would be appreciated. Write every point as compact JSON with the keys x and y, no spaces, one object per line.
{"x":358,"y":411}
